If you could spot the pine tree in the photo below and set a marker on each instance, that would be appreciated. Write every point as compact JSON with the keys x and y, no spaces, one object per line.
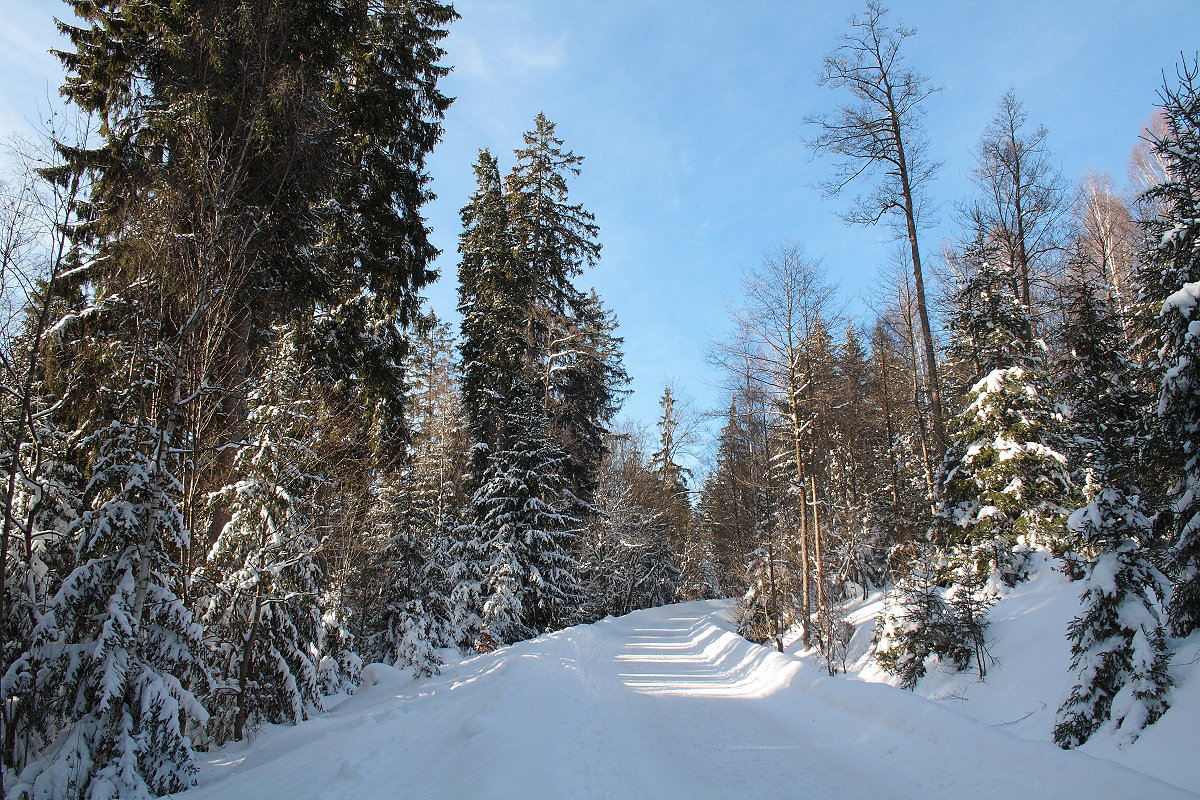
{"x":1118,"y":648}
{"x":1171,"y":276}
{"x":116,"y":660}
{"x":520,"y":519}
{"x":262,"y":615}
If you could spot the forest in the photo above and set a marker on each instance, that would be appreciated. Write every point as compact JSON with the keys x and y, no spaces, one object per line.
{"x":242,"y":458}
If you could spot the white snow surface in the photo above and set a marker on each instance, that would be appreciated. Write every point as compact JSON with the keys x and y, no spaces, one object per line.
{"x":1031,"y":677}
{"x":664,"y":703}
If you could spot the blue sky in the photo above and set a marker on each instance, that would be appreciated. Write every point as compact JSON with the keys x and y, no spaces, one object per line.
{"x":689,"y":115}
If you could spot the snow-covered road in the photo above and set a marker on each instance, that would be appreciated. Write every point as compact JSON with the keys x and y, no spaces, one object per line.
{"x":664,"y":703}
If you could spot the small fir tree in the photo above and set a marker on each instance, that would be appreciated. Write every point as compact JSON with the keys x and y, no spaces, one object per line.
{"x":1118,"y":648}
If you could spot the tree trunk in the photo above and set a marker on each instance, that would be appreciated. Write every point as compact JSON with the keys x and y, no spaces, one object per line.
{"x":817,"y":560}
{"x":910,"y":223}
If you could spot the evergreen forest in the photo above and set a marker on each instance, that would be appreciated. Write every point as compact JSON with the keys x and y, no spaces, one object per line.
{"x":242,"y":457}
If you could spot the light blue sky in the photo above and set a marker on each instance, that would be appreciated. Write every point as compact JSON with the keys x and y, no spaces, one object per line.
{"x":689,"y":114}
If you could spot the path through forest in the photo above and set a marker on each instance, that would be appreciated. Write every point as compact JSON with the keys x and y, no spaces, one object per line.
{"x":664,"y":703}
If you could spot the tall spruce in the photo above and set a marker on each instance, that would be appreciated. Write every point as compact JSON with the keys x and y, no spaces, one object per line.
{"x":1119,"y":653}
{"x":1171,"y":284}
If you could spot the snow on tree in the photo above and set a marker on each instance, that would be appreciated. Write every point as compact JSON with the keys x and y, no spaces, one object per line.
{"x":1171,"y":281}
{"x":626,"y":559}
{"x":1005,"y":482}
{"x":520,"y":521}
{"x":768,"y":608}
{"x":414,"y":514}
{"x":411,"y":615}
{"x":117,"y":658}
{"x":919,"y":627}
{"x":1118,"y":648}
{"x":586,"y":381}
{"x":730,"y":502}
{"x":1006,"y":486}
{"x":261,"y":614}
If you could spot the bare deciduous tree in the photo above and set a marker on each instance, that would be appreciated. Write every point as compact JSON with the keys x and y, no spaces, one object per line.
{"x":880,"y":134}
{"x":788,"y":302}
{"x":1022,"y":196}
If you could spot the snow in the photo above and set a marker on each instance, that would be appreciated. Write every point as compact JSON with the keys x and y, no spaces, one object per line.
{"x":670,"y":703}
{"x":1183,"y":301}
{"x":1030,"y":679}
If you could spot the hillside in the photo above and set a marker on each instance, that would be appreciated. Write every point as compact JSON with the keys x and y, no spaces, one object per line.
{"x":1029,"y":677}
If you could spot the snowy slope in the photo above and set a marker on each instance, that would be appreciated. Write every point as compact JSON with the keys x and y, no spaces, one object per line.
{"x":664,"y":703}
{"x":1030,"y":678}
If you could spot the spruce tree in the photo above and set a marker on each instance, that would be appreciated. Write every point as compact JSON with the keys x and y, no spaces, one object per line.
{"x":493,"y":294}
{"x":768,"y":608}
{"x":1171,"y":284}
{"x":673,"y":502}
{"x":1118,"y":648}
{"x":1005,"y":479}
{"x":541,"y":376}
{"x":409,"y":616}
{"x":262,"y":615}
{"x":520,"y":518}
{"x":587,"y":383}
{"x":117,"y":659}
{"x":917,"y":627}
{"x":573,"y":345}
{"x":415,"y":513}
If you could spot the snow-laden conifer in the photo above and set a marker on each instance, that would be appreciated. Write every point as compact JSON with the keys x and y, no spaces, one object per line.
{"x":1171,"y":284}
{"x":520,"y":521}
{"x":117,"y":658}
{"x":262,"y":611}
{"x":1118,"y":649}
{"x":931,"y":618}
{"x":411,"y":615}
{"x":1005,"y":482}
